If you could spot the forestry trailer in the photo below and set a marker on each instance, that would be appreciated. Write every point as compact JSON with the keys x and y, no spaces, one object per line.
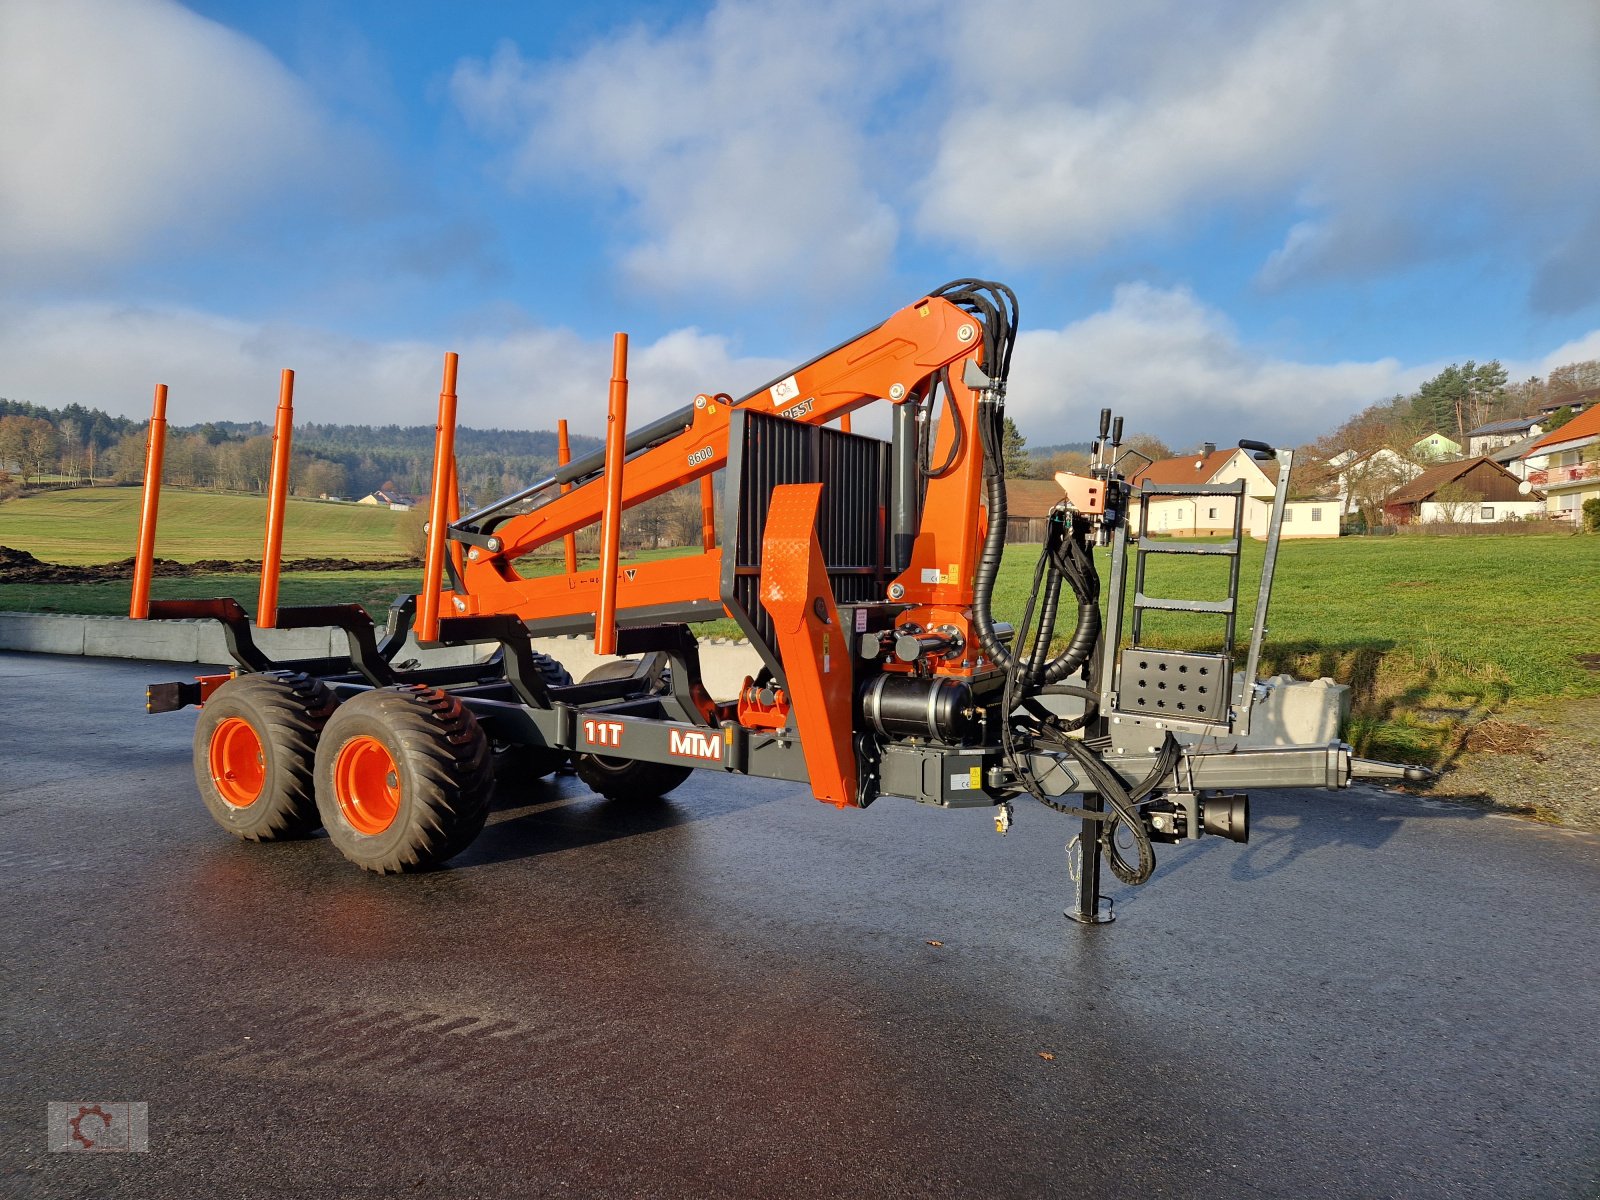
{"x":863,"y":573}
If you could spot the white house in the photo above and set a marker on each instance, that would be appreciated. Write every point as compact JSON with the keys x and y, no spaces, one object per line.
{"x":393,"y":501}
{"x":1496,"y":435}
{"x":1199,"y":516}
{"x":1308,"y":519}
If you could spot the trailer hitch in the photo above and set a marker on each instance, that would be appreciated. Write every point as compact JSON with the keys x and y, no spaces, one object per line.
{"x":1368,"y":768}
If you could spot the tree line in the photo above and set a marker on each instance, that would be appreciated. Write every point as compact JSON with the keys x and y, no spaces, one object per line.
{"x":81,"y":446}
{"x":1460,"y":399}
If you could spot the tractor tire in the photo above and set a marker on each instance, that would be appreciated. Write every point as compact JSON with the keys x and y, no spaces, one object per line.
{"x":625,"y":778}
{"x":403,"y":778}
{"x":254,"y":747}
{"x":629,"y":778}
{"x":516,"y":764}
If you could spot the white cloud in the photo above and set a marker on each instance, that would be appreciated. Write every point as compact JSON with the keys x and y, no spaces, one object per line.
{"x":124,"y":121}
{"x":738,"y":141}
{"x":110,"y":357}
{"x":775,"y":145}
{"x":1175,"y":368}
{"x":1580,"y":349}
{"x":1383,"y":121}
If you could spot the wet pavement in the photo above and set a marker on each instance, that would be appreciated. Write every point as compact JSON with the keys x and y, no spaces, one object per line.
{"x":740,"y":992}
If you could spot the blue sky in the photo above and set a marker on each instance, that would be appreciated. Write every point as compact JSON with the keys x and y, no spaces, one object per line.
{"x":1241,"y":219}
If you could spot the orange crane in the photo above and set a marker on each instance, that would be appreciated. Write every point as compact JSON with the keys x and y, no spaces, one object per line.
{"x":863,"y":572}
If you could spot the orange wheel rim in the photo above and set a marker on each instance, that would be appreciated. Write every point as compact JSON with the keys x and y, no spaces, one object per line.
{"x":238,"y":762}
{"x":367,"y":784}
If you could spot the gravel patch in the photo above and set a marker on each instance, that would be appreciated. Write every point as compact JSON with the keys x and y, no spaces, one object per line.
{"x":1540,"y":760}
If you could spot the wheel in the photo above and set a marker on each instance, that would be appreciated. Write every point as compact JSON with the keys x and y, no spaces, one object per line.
{"x":625,"y":778}
{"x":629,"y":778}
{"x":515,"y":763}
{"x":403,"y":778}
{"x":254,"y":745}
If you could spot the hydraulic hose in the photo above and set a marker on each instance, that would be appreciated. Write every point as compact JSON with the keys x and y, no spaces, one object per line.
{"x":1066,"y":559}
{"x":996,"y":306}
{"x":994,"y":544}
{"x":1037,"y":669}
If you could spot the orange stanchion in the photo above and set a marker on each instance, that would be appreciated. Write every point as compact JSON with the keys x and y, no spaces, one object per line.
{"x":708,"y":513}
{"x":844,"y":423}
{"x":563,"y":457}
{"x":154,"y":456}
{"x":444,"y":449}
{"x":605,"y":618}
{"x":277,"y":492}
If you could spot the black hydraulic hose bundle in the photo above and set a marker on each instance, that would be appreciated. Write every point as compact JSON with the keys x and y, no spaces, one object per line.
{"x":1066,"y":559}
{"x":996,"y":306}
{"x":1046,"y":730}
{"x":929,"y":471}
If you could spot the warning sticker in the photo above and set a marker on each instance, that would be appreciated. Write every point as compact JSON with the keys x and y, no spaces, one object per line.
{"x":861,"y":620}
{"x":961,"y":782}
{"x":785,"y":391}
{"x":932,"y":575}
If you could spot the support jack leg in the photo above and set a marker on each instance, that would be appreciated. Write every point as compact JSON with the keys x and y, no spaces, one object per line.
{"x":1090,"y":907}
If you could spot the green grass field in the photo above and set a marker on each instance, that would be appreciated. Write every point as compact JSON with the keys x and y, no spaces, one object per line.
{"x":1427,"y":631}
{"x":97,"y":525}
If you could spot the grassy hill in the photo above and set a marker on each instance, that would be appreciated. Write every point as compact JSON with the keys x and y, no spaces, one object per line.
{"x":97,"y":525}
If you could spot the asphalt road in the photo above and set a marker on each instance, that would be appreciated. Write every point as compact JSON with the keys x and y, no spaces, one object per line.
{"x":744,"y":993}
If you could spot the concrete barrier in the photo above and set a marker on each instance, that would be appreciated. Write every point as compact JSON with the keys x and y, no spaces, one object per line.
{"x":724,"y":664}
{"x":42,"y":633}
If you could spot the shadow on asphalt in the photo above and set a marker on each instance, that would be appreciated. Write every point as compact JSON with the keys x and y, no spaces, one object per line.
{"x":1284,"y":835}
{"x":1284,"y":830}
{"x":547,"y":818}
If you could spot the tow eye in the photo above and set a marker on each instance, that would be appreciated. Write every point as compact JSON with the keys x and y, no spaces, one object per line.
{"x":1368,"y":768}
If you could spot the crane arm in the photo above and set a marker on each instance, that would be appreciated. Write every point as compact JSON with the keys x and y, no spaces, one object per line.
{"x":893,"y":361}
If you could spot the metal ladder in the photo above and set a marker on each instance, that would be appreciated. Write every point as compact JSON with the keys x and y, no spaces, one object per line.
{"x":1183,"y":686}
{"x":1198,"y":689}
{"x":1227,"y":608}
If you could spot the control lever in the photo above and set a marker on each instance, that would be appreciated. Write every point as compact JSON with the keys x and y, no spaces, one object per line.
{"x":1258,"y":450}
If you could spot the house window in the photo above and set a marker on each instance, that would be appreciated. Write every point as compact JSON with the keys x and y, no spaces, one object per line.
{"x":1486,"y":513}
{"x":1316,"y":514}
{"x":1288,"y":515}
{"x":1211,"y":514}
